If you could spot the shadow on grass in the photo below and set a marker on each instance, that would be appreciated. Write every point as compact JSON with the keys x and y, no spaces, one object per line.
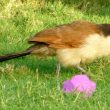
{"x":44,"y":66}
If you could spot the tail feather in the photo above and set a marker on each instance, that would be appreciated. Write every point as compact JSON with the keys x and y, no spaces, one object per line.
{"x":16,"y":55}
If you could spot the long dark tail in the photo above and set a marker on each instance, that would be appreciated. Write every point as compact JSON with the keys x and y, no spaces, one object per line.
{"x":16,"y":55}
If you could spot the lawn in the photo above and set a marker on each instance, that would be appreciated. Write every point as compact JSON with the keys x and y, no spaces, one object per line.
{"x":30,"y":83}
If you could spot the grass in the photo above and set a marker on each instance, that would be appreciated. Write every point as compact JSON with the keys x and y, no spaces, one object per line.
{"x":30,"y":83}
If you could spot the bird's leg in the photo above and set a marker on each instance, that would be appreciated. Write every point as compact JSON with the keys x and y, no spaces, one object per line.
{"x":58,"y":68}
{"x":81,"y":69}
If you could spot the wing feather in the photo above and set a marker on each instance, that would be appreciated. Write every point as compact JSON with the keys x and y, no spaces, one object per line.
{"x":66,"y":36}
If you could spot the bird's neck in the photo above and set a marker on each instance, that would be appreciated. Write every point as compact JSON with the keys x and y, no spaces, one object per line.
{"x":105,"y":28}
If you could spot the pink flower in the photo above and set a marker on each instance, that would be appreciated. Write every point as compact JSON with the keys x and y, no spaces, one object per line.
{"x":79,"y":84}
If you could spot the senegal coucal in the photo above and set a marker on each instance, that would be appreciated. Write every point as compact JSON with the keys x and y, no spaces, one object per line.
{"x":74,"y":44}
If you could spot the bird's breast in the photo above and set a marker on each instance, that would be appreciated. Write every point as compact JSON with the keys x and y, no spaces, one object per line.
{"x":94,"y":46}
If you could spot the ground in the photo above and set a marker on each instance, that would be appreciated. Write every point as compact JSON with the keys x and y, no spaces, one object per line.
{"x":30,"y":83}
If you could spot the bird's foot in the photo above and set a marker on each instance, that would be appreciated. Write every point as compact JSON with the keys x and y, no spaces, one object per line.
{"x":58,"y":68}
{"x":81,"y":69}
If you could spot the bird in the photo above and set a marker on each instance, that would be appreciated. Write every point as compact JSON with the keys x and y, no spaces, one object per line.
{"x":73,"y":44}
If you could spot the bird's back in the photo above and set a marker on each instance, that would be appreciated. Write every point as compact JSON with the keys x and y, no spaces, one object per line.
{"x":67,"y":35}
